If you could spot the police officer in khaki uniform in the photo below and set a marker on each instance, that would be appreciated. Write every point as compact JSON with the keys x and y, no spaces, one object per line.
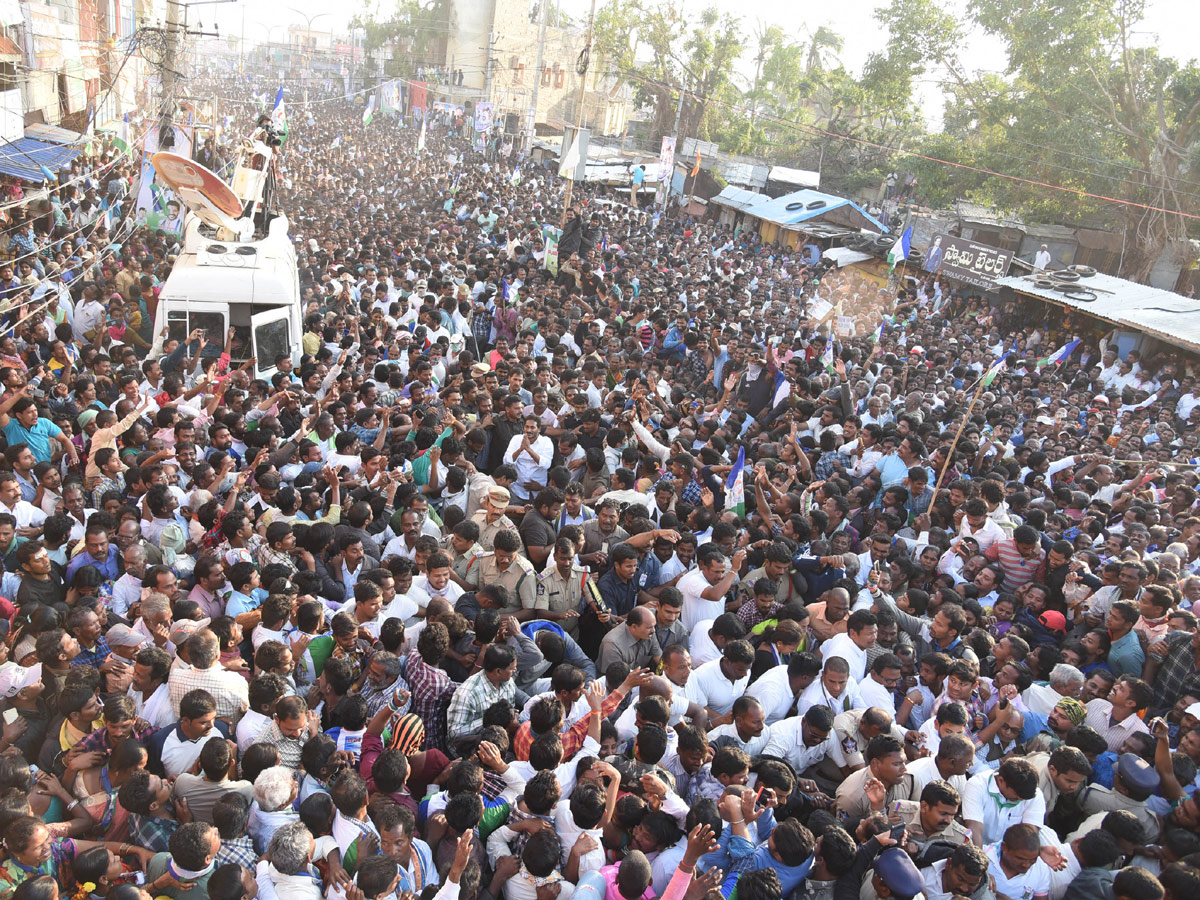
{"x":491,"y":519}
{"x":560,"y":588}
{"x":461,"y":551}
{"x":931,"y":818}
{"x":506,"y":567}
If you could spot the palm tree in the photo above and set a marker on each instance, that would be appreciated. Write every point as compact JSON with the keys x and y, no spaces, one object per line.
{"x":823,"y":44}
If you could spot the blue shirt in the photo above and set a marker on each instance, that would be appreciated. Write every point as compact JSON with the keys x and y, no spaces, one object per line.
{"x":38,"y":437}
{"x":1126,"y":656}
{"x":108,"y":568}
{"x":239,"y":603}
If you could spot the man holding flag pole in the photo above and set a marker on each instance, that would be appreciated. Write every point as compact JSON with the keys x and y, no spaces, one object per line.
{"x":988,"y":377}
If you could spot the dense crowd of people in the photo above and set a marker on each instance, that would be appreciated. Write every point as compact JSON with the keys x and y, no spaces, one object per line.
{"x":610,"y":572}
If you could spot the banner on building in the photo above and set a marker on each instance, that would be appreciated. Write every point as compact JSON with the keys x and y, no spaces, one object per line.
{"x":483,"y":117}
{"x":157,"y":205}
{"x":975,"y":264}
{"x":419,"y":95}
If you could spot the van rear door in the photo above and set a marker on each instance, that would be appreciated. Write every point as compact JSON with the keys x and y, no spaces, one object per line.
{"x":271,"y":338}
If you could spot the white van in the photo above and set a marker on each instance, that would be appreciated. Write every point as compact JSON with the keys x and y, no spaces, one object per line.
{"x":252,"y":286}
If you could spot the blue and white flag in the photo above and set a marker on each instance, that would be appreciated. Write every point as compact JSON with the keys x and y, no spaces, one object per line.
{"x":899,"y":251}
{"x":735,"y":489}
{"x":1058,"y":355}
{"x":335,"y":143}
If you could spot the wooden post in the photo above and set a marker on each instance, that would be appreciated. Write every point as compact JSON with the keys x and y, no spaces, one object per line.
{"x":954,"y":444}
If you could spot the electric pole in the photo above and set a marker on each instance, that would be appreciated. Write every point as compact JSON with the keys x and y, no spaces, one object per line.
{"x":170,"y":62}
{"x":537,"y":78}
{"x":585,"y":59}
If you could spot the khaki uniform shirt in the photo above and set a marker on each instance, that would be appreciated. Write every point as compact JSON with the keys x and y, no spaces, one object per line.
{"x":559,"y":594}
{"x":487,"y":533}
{"x":520,"y":579}
{"x":909,"y":812}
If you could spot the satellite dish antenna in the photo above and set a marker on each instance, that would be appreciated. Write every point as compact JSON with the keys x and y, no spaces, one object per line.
{"x":204,"y":194}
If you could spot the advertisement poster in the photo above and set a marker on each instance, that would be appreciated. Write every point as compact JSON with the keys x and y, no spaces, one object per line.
{"x":967,"y":261}
{"x":551,"y":235}
{"x":483,"y":117}
{"x":157,"y":205}
{"x":666,"y":166}
{"x":418,"y":95}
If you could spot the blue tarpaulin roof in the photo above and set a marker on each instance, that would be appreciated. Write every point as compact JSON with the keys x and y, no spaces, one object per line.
{"x":23,"y":158}
{"x":807,"y":205}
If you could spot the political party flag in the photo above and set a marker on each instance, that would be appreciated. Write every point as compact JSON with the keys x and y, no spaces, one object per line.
{"x":878,"y":335}
{"x":421,"y":136}
{"x":279,"y":114}
{"x":1058,"y":355}
{"x":696,"y":167}
{"x":827,"y":357}
{"x":122,"y":145}
{"x":369,"y":112}
{"x":735,"y":489}
{"x":335,"y":143}
{"x":990,"y":375}
{"x":566,"y":168}
{"x":899,"y":251}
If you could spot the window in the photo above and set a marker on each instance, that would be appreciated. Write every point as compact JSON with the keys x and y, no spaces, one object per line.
{"x":181,"y":322}
{"x":271,"y":342}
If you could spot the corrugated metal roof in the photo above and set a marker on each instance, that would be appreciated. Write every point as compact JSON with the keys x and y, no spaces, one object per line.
{"x":24,"y":158}
{"x":53,"y":134}
{"x":738,"y":198}
{"x":1164,"y":314}
{"x":800,"y":206}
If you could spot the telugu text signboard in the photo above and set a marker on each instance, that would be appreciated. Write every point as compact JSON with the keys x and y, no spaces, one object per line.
{"x":967,"y":261}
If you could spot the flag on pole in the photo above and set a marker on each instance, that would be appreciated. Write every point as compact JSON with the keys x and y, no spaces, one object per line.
{"x":421,"y":136}
{"x":1059,"y":355}
{"x":566,"y":168}
{"x":122,"y":145}
{"x":990,"y":375}
{"x":279,"y":115}
{"x":735,"y":490}
{"x":827,"y":357}
{"x":335,"y":143}
{"x":899,"y":251}
{"x":696,"y":167}
{"x":369,"y":112}
{"x":878,"y":335}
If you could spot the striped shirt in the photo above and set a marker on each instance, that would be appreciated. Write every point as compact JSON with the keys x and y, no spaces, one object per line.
{"x":1016,"y":568}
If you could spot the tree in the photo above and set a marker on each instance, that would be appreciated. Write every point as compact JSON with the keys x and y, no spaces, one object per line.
{"x":415,"y":32}
{"x":823,"y":44}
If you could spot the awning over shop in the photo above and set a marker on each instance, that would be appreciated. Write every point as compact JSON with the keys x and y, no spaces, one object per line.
{"x":24,"y":158}
{"x":53,"y":134}
{"x":844,"y":256}
{"x":1163,"y":314}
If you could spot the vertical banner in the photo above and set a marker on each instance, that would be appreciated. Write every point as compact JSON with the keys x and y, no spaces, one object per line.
{"x":483,"y":117}
{"x":418,"y":96}
{"x":157,"y":205}
{"x":666,"y":167}
{"x":551,"y":235}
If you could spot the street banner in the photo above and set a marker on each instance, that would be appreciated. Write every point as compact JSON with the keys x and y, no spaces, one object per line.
{"x":975,"y":264}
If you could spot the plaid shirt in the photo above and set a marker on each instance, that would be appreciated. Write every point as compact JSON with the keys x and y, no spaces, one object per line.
{"x":573,"y":737}
{"x":151,"y":832}
{"x":268,"y":555}
{"x":471,"y":700}
{"x":97,"y":741}
{"x":94,"y":657}
{"x":824,"y":469}
{"x":431,"y":690}
{"x":239,"y":850}
{"x":1178,"y":673}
